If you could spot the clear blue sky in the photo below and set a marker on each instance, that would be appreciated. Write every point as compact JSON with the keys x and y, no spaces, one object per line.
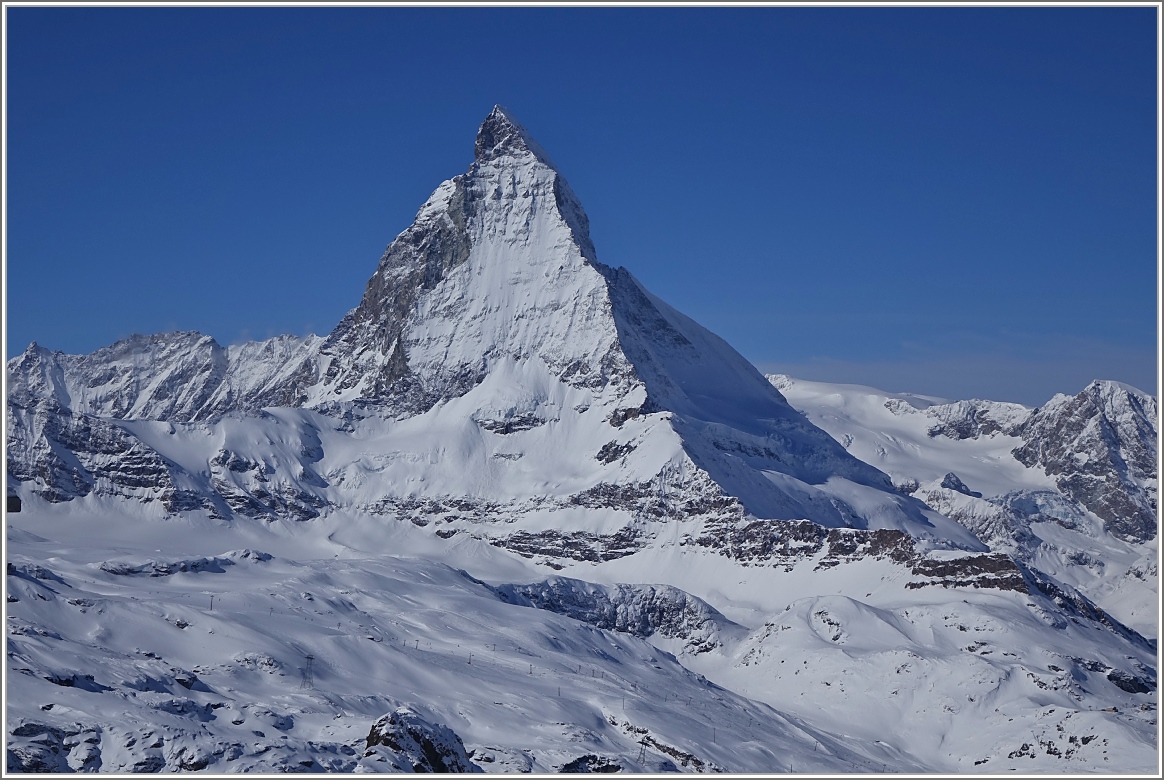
{"x":955,"y":201}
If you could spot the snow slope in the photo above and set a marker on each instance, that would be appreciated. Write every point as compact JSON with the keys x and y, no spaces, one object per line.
{"x":119,"y":659}
{"x":146,"y":671}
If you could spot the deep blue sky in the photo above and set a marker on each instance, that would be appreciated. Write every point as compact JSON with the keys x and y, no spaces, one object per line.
{"x":955,"y":201}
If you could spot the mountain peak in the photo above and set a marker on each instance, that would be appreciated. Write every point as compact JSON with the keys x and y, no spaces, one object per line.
{"x":501,"y":135}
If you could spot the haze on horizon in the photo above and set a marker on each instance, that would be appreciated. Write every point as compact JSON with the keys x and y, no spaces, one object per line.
{"x":949,"y":201}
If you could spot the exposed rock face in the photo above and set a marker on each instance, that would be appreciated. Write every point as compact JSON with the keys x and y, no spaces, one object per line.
{"x":419,"y":336}
{"x":1100,"y":446}
{"x":497,"y":382}
{"x":590,"y":763}
{"x":35,"y":747}
{"x":410,"y":743}
{"x":366,"y":350}
{"x":786,"y":544}
{"x":571,"y":545}
{"x":971,"y":419}
{"x":995,"y":570}
{"x":641,"y":610}
{"x":952,"y":482}
{"x":66,"y":455}
{"x":1073,"y":602}
{"x":1001,"y":523}
{"x":1069,"y":489}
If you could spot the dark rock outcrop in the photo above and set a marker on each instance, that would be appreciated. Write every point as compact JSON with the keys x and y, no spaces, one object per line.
{"x":640,"y":610}
{"x":1100,"y":448}
{"x":411,"y":743}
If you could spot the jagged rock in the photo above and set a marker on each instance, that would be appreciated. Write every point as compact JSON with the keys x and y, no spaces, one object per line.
{"x":1130,"y":683}
{"x":952,"y":482}
{"x":1100,"y":447}
{"x":590,"y":763}
{"x":787,"y":543}
{"x":1069,"y":600}
{"x":641,"y":610}
{"x":41,"y":748}
{"x":575,"y":545}
{"x":496,"y":274}
{"x":906,"y":486}
{"x":165,"y":568}
{"x":971,"y":419}
{"x":180,"y":376}
{"x":492,"y":316}
{"x":612,"y":451}
{"x":410,"y":743}
{"x":995,"y":521}
{"x":995,"y":570}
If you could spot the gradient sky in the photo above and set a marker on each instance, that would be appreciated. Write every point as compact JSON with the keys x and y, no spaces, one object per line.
{"x":953,"y":201}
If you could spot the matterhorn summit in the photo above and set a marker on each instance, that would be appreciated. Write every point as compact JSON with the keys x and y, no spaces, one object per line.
{"x":495,"y":267}
{"x":515,"y":513}
{"x":525,"y":379}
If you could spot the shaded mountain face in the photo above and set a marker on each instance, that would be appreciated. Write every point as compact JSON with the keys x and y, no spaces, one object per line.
{"x":491,"y":324}
{"x":1100,"y":448}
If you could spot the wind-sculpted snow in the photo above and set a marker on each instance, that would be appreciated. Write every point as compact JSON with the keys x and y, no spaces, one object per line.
{"x":275,"y":663}
{"x":835,"y":656}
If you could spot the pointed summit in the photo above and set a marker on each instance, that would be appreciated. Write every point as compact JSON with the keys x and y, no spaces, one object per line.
{"x":501,"y":135}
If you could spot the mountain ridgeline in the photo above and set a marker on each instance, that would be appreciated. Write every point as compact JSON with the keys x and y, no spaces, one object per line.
{"x":490,"y":309}
{"x":662,"y":541}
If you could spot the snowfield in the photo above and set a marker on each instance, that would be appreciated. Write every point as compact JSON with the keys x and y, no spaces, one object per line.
{"x":517,"y":514}
{"x":118,"y":661}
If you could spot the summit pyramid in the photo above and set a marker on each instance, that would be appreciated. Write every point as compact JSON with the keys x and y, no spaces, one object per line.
{"x":505,"y":368}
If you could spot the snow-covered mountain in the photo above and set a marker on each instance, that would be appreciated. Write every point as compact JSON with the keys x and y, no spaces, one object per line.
{"x":1069,"y":488}
{"x":617,"y":490}
{"x":492,"y":362}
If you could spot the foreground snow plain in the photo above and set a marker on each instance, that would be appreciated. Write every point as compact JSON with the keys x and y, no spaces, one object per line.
{"x":531,"y":689}
{"x":828,"y":671}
